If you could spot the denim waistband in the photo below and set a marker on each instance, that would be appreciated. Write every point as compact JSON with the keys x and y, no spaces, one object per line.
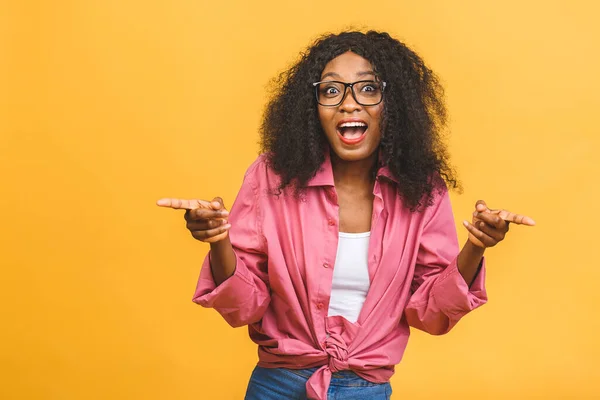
{"x":340,"y":378}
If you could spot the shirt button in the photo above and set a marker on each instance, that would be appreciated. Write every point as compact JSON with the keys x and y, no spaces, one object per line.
{"x":319,"y":306}
{"x":326,"y":265}
{"x":331,"y":222}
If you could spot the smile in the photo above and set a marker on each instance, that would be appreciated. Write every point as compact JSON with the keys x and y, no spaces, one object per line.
{"x":352,"y":131}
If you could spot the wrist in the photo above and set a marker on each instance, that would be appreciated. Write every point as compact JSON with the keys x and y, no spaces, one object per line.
{"x":221,"y":245}
{"x":474,"y":249}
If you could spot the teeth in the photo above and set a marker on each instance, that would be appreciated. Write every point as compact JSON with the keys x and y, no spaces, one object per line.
{"x":352,"y":124}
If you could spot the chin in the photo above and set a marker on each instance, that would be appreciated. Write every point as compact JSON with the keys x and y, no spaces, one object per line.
{"x":352,"y":155}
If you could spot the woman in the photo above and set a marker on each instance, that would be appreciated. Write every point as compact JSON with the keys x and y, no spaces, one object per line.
{"x":342,"y":235}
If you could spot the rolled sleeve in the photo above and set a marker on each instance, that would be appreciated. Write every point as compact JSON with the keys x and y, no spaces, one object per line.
{"x":241,"y":299}
{"x":453,"y":294}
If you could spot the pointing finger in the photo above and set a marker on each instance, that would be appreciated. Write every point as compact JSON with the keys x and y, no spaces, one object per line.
{"x":516,"y":218}
{"x":181,"y":204}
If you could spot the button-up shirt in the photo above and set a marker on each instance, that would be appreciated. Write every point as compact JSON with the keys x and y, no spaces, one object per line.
{"x":285,"y":246}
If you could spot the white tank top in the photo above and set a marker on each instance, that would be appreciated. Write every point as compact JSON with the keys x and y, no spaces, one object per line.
{"x":350,"y":276}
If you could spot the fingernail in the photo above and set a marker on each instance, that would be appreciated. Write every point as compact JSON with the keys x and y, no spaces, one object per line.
{"x":475,"y":213}
{"x":465,"y":223}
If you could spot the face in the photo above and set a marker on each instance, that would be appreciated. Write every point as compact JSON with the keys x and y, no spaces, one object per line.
{"x":353,"y":130}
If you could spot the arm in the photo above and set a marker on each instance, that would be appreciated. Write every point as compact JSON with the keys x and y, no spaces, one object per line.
{"x":440,"y":292}
{"x":233,"y":279}
{"x":469,"y":261}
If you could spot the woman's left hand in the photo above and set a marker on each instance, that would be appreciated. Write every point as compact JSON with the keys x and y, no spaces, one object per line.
{"x":489,"y":227}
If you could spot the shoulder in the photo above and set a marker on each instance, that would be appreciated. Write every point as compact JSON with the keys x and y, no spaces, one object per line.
{"x":438,"y":204}
{"x":260,"y":174}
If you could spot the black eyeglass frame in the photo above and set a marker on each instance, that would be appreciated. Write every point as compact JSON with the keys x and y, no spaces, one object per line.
{"x":351,"y":86}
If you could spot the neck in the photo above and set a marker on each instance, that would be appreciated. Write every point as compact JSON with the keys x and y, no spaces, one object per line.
{"x":354,"y":173}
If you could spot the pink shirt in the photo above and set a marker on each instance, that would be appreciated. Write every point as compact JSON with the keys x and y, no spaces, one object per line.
{"x":286,"y":250}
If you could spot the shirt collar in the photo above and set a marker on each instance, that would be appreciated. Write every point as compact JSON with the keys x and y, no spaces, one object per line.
{"x":324,"y":176}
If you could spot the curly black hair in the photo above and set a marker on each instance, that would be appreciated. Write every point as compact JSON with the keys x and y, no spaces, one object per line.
{"x":413,"y":120}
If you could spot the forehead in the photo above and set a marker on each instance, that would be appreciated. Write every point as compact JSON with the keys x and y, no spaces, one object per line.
{"x":348,"y":66}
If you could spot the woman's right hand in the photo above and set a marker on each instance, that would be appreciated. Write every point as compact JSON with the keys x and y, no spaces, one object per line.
{"x":206,"y":221}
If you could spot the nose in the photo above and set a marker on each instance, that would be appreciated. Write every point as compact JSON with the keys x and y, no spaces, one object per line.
{"x":349,"y":103}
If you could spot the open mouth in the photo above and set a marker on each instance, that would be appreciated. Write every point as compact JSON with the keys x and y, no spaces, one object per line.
{"x":352,"y":132}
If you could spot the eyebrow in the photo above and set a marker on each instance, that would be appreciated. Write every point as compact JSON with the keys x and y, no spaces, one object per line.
{"x":333,"y":74}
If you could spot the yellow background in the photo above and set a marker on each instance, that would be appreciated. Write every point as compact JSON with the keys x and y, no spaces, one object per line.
{"x":108,"y":105}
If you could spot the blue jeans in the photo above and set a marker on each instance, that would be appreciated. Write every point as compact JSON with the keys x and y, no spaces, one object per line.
{"x":290,"y":384}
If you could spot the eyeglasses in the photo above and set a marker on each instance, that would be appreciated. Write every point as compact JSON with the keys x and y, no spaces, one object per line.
{"x":333,"y":93}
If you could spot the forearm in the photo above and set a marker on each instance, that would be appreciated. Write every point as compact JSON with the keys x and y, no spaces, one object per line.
{"x":468,"y":261}
{"x":222,"y":260}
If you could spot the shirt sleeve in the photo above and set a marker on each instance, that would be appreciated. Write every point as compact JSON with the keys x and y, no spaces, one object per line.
{"x":242,"y":298}
{"x":440,"y":295}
